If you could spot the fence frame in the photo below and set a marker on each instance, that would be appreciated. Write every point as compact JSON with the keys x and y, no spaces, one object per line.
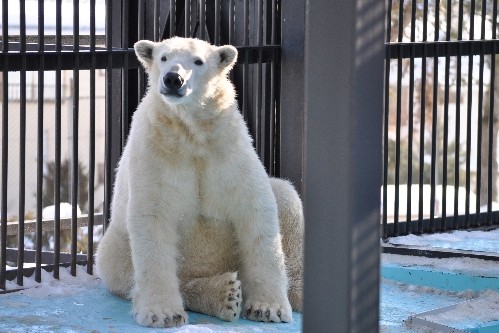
{"x":333,"y":110}
{"x":430,"y":49}
{"x":258,"y":61}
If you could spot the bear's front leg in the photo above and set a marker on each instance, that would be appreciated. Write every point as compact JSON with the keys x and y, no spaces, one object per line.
{"x":156,"y":297}
{"x":263,"y":272}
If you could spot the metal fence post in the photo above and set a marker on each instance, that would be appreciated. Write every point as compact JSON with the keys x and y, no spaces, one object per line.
{"x":292,"y":88}
{"x":114,"y":36}
{"x":342,"y":164}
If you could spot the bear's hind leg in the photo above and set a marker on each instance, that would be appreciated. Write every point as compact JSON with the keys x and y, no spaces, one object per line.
{"x":218,"y":296}
{"x":114,"y":262}
{"x":292,"y":228}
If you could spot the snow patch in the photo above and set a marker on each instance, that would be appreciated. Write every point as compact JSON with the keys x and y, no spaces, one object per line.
{"x":479,"y":241}
{"x":66,"y":285}
{"x":471,"y":310}
{"x":459,"y":265}
{"x":65,"y":211}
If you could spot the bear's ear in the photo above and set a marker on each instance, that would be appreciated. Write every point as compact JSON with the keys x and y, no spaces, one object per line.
{"x":143,"y":50}
{"x":227,"y":56}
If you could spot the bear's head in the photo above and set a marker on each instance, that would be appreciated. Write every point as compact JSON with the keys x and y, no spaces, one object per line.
{"x":185,"y":70}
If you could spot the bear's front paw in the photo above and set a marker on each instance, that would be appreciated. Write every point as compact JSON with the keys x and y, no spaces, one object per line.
{"x":160,"y":316}
{"x":261,"y":311}
{"x":231,"y":298}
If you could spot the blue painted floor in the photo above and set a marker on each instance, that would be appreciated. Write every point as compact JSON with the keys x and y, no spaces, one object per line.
{"x":409,"y":286}
{"x":82,"y":304}
{"x":95,"y":310}
{"x":398,"y":302}
{"x":67,"y":306}
{"x":461,"y":294}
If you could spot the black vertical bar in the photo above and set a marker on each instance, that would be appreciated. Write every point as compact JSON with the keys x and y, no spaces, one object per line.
{"x":231,"y":21}
{"x":141,"y":24}
{"x":156,"y":13}
{"x":173,"y":16}
{"x":480,"y":118}
{"x":458,"y":117}
{"x":58,"y":139}
{"x":202,"y":19}
{"x":91,"y":158}
{"x":272,"y":111}
{"x":187,"y":18}
{"x":411,"y":119}
{"x":434,"y":162}
{"x":273,"y":22}
{"x":398,"y":123}
{"x":277,"y":19}
{"x":75,"y":133}
{"x":258,"y":114}
{"x":446,"y":118}
{"x":491,"y":115}
{"x":423,"y":116}
{"x":22,"y":145}
{"x":246,"y":62}
{"x":5,"y":145}
{"x":291,"y":92}
{"x":124,"y":70}
{"x":216,"y":33}
{"x":467,"y":221}
{"x":386,"y":124}
{"x":39,"y":162}
{"x":109,"y":107}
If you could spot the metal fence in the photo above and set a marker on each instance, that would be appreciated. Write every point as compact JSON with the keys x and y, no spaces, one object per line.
{"x":82,"y":51}
{"x":441,"y":120}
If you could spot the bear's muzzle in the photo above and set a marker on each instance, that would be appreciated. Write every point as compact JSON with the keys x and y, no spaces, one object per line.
{"x":173,"y":81}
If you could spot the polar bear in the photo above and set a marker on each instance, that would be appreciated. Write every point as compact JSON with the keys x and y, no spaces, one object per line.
{"x":196,"y":223}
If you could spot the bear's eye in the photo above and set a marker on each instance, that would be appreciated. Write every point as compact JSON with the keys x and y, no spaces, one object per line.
{"x":163,"y":58}
{"x":198,"y":62}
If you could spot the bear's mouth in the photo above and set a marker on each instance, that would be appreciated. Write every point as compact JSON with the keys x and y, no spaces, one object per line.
{"x":172,"y":92}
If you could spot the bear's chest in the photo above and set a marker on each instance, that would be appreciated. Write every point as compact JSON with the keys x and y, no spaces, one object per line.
{"x":173,"y":139}
{"x":208,"y":249}
{"x":202,"y":186}
{"x":216,"y":183}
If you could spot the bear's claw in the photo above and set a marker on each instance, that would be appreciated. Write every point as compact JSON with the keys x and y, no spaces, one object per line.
{"x":259,"y":311}
{"x":158,"y":317}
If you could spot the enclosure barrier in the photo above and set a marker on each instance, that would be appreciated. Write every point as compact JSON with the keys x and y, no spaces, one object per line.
{"x":441,"y":123}
{"x":90,"y":117}
{"x":100,"y":40}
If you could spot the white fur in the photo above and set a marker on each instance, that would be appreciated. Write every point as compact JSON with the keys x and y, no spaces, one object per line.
{"x":193,"y":207}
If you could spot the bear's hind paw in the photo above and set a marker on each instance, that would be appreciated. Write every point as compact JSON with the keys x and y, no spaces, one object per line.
{"x":231,"y":299}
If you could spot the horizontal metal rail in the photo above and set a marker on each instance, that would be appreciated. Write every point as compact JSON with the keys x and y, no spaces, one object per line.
{"x":13,"y":61}
{"x":48,"y":225}
{"x":47,"y":256}
{"x":444,"y":224}
{"x":65,"y":39}
{"x":29,"y":271}
{"x":436,"y":253}
{"x":441,"y":49}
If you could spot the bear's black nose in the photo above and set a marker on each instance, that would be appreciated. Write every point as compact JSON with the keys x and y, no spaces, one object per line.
{"x":173,"y":81}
